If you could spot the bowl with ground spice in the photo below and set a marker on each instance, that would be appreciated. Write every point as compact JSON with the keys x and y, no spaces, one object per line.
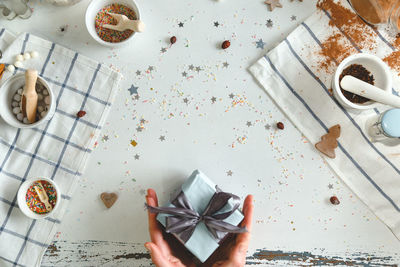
{"x":97,"y":16}
{"x":365,"y":67}
{"x":38,"y":198}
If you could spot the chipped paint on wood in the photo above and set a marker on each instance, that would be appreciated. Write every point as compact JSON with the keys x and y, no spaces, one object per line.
{"x":279,"y":257}
{"x":109,"y":253}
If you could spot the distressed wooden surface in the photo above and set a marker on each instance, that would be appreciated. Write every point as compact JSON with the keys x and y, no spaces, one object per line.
{"x":107,"y":253}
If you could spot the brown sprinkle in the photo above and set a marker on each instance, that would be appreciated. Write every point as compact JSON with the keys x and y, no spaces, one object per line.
{"x":226,"y":44}
{"x":81,"y":113}
{"x":173,"y":39}
{"x":280,"y":125}
{"x":334,"y":200}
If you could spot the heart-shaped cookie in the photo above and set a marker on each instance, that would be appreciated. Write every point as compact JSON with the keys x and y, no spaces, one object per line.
{"x":108,"y":199}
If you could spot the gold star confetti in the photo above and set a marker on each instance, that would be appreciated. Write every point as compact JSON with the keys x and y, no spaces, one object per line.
{"x":273,"y":4}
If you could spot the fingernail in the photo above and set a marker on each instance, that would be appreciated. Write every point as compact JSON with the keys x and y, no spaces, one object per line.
{"x":148,"y":247}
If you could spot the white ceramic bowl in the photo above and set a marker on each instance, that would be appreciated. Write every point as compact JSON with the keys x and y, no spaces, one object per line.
{"x":378,"y":69}
{"x":95,"y":6}
{"x":7,"y":92}
{"x":22,"y":202}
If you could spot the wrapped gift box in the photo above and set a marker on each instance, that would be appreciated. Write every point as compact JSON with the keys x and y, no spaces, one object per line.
{"x":199,"y":190}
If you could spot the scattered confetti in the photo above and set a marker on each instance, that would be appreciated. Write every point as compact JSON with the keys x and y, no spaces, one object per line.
{"x":133,"y":143}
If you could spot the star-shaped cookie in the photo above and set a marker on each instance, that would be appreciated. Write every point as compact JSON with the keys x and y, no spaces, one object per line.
{"x":273,"y":4}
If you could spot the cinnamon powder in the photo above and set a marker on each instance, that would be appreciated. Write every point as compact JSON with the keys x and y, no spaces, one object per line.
{"x":334,"y":50}
{"x":336,"y":47}
{"x":393,"y":60}
{"x":351,"y":24}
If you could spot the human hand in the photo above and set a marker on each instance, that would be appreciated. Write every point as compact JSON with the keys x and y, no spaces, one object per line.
{"x":164,"y":254}
{"x":234,"y":254}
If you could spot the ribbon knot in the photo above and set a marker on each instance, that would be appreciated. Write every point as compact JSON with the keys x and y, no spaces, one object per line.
{"x":184,"y":218}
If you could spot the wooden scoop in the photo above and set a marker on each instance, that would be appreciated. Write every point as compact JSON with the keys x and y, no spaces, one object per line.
{"x":43,"y":196}
{"x":29,"y":96}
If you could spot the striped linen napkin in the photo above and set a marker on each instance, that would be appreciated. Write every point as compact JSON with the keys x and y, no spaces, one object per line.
{"x":293,"y":76}
{"x":58,"y":149}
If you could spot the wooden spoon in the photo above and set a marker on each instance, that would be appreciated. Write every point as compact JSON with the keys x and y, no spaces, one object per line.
{"x":43,"y":196}
{"x":29,"y":96}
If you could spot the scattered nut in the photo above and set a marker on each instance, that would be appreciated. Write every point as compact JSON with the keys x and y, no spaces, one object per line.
{"x":81,"y":113}
{"x":18,"y":64}
{"x":10,"y":68}
{"x":27,"y":56}
{"x":173,"y":39}
{"x":226,"y":44}
{"x":34,"y":54}
{"x":280,"y":125}
{"x":334,"y":200}
{"x":19,"y":57}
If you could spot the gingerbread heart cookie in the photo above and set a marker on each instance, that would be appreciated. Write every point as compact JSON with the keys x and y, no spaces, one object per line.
{"x":108,"y":199}
{"x":328,"y":142}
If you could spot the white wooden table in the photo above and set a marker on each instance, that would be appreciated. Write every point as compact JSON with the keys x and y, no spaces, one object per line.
{"x":199,"y":108}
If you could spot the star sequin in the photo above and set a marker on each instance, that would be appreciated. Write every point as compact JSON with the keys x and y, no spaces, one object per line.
{"x":267,"y":126}
{"x":104,"y":138}
{"x":216,"y":24}
{"x":225,"y":64}
{"x":163,"y":50}
{"x":133,"y":89}
{"x":213,"y":99}
{"x":136,"y":97}
{"x":330,"y":186}
{"x":138,"y":72}
{"x":231,"y":95}
{"x":229,"y":173}
{"x":137,"y":156}
{"x":293,"y":17}
{"x":273,"y":4}
{"x":184,"y":74}
{"x":180,"y":24}
{"x":185,"y":100}
{"x":248,"y":124}
{"x":150,"y":68}
{"x":260,"y":44}
{"x":162,"y":138}
{"x":191,"y":67}
{"x":198,"y":69}
{"x":269,"y":23}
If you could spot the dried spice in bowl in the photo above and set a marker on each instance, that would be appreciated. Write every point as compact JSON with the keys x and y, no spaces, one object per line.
{"x":102,"y":18}
{"x":32,"y":198}
{"x":361,"y":73}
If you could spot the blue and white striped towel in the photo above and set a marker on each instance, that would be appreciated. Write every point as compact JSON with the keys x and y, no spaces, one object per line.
{"x":58,"y":149}
{"x":291,"y":76}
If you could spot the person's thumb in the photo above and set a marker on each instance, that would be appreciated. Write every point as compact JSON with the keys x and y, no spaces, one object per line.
{"x":156,"y":255}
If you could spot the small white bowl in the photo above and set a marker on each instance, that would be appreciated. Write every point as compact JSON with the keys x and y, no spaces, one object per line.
{"x":7,"y":92}
{"x":380,"y":71}
{"x":95,"y":6}
{"x":22,"y":202}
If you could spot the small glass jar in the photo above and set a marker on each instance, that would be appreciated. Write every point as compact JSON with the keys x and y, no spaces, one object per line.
{"x":385,"y":125}
{"x":378,"y":12}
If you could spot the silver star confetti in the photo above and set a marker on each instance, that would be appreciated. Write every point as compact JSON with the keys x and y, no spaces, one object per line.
{"x":137,"y":156}
{"x":162,"y":138}
{"x":184,"y":74}
{"x":225,"y":64}
{"x":229,"y":173}
{"x":213,"y":99}
{"x":231,"y":95}
{"x":191,"y":67}
{"x":185,"y":100}
{"x":248,"y":124}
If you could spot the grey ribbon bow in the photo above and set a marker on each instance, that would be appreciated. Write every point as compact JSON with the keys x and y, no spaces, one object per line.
{"x":184,"y":218}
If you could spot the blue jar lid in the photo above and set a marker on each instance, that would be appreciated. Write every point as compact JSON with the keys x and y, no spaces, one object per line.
{"x":391,"y":122}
